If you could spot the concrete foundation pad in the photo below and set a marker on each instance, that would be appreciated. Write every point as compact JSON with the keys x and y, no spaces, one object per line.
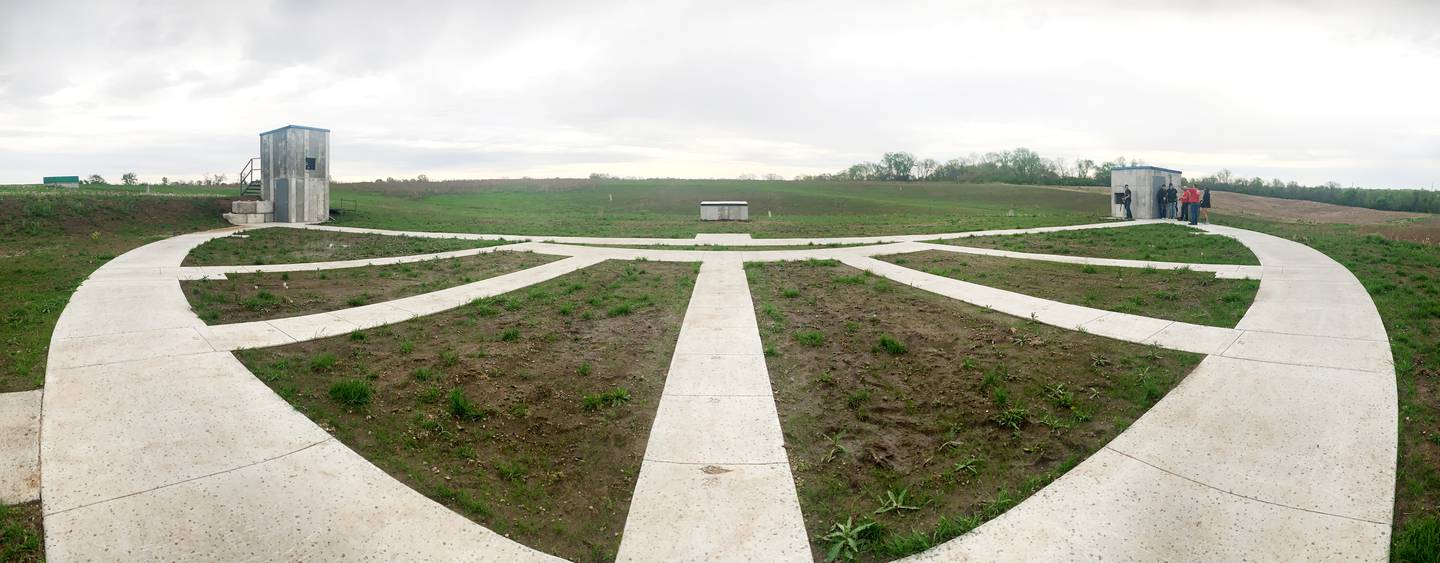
{"x":19,"y":447}
{"x":672,"y":519}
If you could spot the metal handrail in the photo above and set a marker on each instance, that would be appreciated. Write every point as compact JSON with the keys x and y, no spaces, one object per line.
{"x":247,"y":173}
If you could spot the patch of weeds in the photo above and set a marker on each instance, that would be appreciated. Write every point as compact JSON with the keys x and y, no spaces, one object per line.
{"x":857,"y":399}
{"x":423,"y":374}
{"x":357,"y":336}
{"x":352,"y":393}
{"x":894,"y":501}
{"x":1012,"y":418}
{"x":620,"y":310}
{"x":463,"y":409}
{"x":812,"y":338}
{"x":449,"y":357}
{"x":510,"y":334}
{"x":790,"y":293}
{"x":846,"y":540}
{"x":322,"y":363}
{"x":584,"y":369}
{"x":407,"y":346}
{"x":614,"y":397}
{"x":836,"y":448}
{"x":890,"y":345}
{"x":1418,"y":541}
{"x":358,"y":300}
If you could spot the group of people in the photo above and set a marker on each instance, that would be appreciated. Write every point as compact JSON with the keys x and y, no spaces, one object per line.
{"x":1190,"y":204}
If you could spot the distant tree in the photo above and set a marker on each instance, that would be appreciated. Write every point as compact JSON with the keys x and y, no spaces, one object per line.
{"x":774,"y":177}
{"x":747,"y":177}
{"x":129,"y":178}
{"x":898,"y":165}
{"x":389,"y":180}
{"x":94,"y":179}
{"x":422,"y":178}
{"x":164,"y":180}
{"x":926,"y":167}
{"x":1083,"y":167}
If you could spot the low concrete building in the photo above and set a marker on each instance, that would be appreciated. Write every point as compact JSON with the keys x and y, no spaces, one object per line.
{"x":61,"y":181}
{"x":1145,"y":183}
{"x":724,"y":211}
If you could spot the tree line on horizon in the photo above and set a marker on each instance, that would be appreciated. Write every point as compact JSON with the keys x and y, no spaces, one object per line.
{"x":1024,"y":166}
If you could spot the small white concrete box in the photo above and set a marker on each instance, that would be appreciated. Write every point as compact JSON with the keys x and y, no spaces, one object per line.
{"x":724,"y":211}
{"x":1145,"y":183}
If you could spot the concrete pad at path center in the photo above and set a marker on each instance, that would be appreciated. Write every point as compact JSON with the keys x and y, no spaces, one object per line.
{"x":762,"y":513}
{"x":19,"y":447}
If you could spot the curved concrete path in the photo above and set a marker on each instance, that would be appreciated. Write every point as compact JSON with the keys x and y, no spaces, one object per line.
{"x":158,"y":444}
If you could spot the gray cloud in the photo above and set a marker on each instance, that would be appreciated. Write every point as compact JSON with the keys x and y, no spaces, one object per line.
{"x":1308,"y":90}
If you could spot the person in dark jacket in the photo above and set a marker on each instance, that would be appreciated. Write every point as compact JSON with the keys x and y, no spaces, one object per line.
{"x":1172,"y":201}
{"x":1205,"y":206}
{"x":1160,"y":206}
{"x":1125,"y":200}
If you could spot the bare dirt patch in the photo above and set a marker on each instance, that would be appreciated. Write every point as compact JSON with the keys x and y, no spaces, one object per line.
{"x":928,"y":416}
{"x":1302,"y":211}
{"x":272,"y":295}
{"x":1177,"y":295}
{"x":285,"y":245}
{"x":528,"y":412}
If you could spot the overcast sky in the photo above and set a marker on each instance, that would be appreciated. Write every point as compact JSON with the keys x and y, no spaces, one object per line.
{"x":1309,"y":91}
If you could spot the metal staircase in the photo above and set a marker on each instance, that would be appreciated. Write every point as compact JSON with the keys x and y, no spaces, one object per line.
{"x":250,"y":177}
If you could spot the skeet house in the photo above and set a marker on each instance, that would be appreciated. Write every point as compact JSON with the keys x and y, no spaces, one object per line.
{"x":1144,"y":182}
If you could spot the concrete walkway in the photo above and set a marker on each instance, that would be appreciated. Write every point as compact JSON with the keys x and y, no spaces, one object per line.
{"x":158,"y":444}
{"x":715,"y":471}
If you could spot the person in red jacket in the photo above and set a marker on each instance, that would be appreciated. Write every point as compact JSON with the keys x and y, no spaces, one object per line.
{"x":1191,"y":200}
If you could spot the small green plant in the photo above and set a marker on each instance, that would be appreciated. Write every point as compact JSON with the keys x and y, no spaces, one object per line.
{"x":463,"y":409}
{"x":322,"y":363}
{"x":358,"y":300}
{"x":423,"y":374}
{"x":407,"y":346}
{"x":620,"y":310}
{"x":857,"y":399}
{"x":894,"y":501}
{"x":1012,"y":418}
{"x":812,"y":338}
{"x":1059,"y":395}
{"x":352,"y":392}
{"x":1088,"y":269}
{"x":890,"y":345}
{"x":449,"y":357}
{"x":614,"y":397}
{"x":511,"y":471}
{"x":971,"y":466}
{"x":790,"y":292}
{"x":357,"y":336}
{"x":584,"y":369}
{"x":846,"y":540}
{"x":510,"y":334}
{"x":771,"y":351}
{"x":836,"y":448}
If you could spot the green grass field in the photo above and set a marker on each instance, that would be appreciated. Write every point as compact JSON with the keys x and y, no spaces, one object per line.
{"x":669,"y":208}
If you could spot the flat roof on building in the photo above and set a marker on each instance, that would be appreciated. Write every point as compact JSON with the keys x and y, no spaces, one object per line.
{"x":724,"y":203}
{"x":293,"y":127}
{"x":1146,"y":168}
